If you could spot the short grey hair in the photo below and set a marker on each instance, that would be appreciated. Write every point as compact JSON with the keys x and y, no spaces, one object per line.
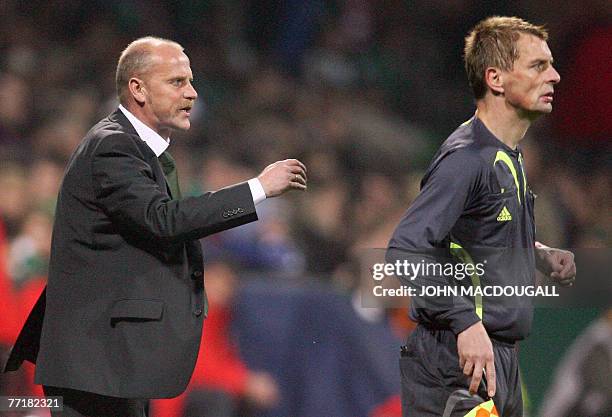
{"x":135,"y":60}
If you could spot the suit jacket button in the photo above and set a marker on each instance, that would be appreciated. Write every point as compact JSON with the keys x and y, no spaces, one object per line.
{"x":196,"y":274}
{"x":198,"y":312}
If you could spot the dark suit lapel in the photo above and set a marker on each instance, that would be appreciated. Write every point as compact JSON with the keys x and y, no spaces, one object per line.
{"x":118,"y":117}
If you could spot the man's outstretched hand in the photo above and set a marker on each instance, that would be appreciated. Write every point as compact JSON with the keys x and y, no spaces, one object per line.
{"x":283,"y":176}
{"x":475,"y":353}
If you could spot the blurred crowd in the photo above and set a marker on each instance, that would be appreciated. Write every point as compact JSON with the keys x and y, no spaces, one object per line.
{"x":361,"y":91}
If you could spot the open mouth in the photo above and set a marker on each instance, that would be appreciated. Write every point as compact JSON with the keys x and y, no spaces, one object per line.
{"x":548,"y":97}
{"x":186,"y":110}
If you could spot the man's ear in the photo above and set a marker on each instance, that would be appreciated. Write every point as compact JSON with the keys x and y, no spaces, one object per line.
{"x":137,"y":89}
{"x":495,"y":80}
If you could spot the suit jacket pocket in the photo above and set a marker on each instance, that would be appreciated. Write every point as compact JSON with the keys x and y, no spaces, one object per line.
{"x":136,"y":310}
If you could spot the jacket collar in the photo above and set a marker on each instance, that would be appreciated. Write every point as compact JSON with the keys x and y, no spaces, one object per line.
{"x":488,"y":137}
{"x":133,"y":125}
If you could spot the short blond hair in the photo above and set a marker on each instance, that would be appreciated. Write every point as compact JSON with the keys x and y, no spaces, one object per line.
{"x":492,"y":43}
{"x":135,"y":60}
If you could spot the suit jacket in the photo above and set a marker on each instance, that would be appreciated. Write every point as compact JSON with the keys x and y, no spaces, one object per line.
{"x":124,"y":304}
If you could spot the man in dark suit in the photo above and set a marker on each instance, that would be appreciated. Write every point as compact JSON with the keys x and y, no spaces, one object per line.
{"x":121,"y":318}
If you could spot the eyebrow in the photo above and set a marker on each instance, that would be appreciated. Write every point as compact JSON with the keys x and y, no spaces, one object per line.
{"x":181,"y":78}
{"x":541,"y":60}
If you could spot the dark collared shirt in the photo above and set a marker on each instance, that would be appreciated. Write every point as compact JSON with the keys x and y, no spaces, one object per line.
{"x":475,"y":203}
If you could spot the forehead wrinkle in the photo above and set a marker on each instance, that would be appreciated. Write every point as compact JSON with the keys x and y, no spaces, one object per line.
{"x":176,"y":72}
{"x":172,"y":66}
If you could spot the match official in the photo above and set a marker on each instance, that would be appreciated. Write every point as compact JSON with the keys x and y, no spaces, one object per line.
{"x":475,"y":194}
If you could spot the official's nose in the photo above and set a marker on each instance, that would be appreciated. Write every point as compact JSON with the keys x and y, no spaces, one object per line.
{"x":554,"y":77}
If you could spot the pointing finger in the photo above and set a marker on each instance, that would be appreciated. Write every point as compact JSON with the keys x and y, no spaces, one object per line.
{"x":491,"y":384}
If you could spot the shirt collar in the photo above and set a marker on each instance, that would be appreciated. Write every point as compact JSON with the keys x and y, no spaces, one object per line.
{"x":492,"y":139}
{"x":157,"y":144}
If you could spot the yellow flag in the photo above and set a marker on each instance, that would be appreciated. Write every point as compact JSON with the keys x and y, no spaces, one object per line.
{"x":486,"y":409}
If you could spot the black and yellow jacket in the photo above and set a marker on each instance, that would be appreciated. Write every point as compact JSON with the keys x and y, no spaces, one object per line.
{"x":474,"y":205}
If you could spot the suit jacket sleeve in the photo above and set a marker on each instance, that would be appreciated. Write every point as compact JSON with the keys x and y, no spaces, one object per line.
{"x":125,"y":188}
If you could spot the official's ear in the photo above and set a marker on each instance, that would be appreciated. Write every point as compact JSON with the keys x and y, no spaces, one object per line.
{"x":494,"y":80}
{"x":137,"y":89}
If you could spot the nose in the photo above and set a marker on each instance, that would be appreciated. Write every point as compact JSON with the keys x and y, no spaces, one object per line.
{"x":554,"y":76}
{"x":190,"y":92}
